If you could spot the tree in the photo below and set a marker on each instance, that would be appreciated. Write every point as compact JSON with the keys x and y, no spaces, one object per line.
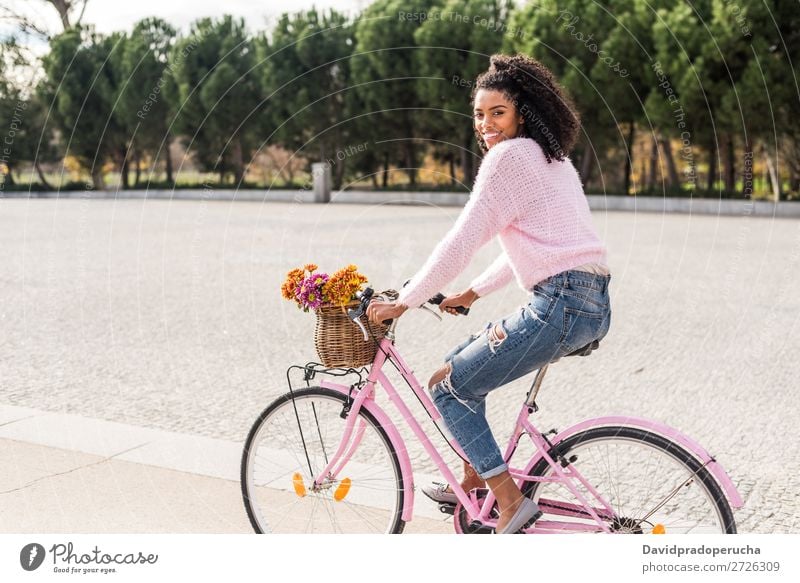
{"x":306,"y":79}
{"x":22,"y":117}
{"x":81,"y":86}
{"x":215,"y":92}
{"x":567,"y":37}
{"x":448,"y":72}
{"x":626,"y":86}
{"x":143,"y":109}
{"x":384,"y":64}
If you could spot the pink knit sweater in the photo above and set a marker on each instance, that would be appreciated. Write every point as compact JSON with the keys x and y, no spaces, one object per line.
{"x":539,"y":211}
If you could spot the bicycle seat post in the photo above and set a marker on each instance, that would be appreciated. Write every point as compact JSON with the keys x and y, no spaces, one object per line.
{"x":537,"y":382}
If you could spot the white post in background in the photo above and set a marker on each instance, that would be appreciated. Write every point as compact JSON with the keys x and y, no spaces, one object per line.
{"x":321,"y":171}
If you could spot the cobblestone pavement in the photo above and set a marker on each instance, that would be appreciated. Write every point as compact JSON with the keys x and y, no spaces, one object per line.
{"x":168,"y":315}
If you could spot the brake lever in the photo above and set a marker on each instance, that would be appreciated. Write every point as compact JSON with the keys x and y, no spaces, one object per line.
{"x":356,"y":313}
{"x":363,"y":330}
{"x":427,"y":309}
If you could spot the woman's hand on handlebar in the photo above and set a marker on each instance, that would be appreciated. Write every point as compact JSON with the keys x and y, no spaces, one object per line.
{"x":377,"y":312}
{"x":465,"y":299}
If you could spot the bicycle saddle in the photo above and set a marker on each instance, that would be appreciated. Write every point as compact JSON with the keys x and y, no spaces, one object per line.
{"x":586,"y":350}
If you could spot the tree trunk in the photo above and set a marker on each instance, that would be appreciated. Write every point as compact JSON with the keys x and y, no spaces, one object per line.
{"x":138,"y":169}
{"x":411,"y":170}
{"x":337,"y":172}
{"x":651,"y":178}
{"x":772,"y":174}
{"x":62,"y":6}
{"x":374,"y":178}
{"x":586,"y":163}
{"x":642,"y":177}
{"x":386,"y":170}
{"x":169,"y":160}
{"x":794,"y":181}
{"x":9,"y":178}
{"x":452,"y":162}
{"x":712,"y":166}
{"x":238,"y":162}
{"x":97,"y":178}
{"x":338,"y":175}
{"x":40,"y":172}
{"x":793,"y":160}
{"x":672,"y":170}
{"x":629,"y":158}
{"x":730,"y":165}
{"x":125,"y":170}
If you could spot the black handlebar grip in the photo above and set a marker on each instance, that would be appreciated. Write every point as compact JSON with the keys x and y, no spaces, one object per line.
{"x":439,"y":298}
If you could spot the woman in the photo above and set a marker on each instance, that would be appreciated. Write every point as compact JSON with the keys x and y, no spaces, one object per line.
{"x":529,"y":194}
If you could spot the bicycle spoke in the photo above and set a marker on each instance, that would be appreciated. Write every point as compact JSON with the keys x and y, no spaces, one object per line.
{"x":304,"y":432}
{"x":647,"y":481}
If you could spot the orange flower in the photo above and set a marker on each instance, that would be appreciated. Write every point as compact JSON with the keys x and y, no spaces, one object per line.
{"x":343,"y":285}
{"x":289,"y":287}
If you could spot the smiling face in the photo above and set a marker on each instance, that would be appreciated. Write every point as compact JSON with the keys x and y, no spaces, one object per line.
{"x":496,"y":119}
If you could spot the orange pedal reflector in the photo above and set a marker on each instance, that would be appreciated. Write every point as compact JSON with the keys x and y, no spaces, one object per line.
{"x":342,"y":489}
{"x":299,"y":487}
{"x":659,"y":529}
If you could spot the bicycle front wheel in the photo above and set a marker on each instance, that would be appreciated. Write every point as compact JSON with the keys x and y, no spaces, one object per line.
{"x":652,"y":485}
{"x":291,"y":443}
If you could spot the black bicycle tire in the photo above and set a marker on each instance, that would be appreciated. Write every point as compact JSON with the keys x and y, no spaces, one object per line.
{"x":398,"y":524}
{"x":669,"y":447}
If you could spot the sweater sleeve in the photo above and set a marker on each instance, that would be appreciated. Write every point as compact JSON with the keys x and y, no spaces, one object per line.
{"x":497,"y":275}
{"x":488,"y":211}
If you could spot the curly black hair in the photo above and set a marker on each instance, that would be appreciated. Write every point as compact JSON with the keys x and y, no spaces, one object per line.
{"x":550,"y":117}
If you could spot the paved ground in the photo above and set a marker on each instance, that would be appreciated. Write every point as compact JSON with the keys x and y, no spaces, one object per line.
{"x":168,"y":316}
{"x":72,"y":474}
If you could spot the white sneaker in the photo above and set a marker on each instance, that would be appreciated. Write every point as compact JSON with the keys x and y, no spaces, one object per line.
{"x":438,"y":493}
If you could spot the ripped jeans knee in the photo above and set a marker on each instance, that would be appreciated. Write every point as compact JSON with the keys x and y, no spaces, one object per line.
{"x":464,"y":416}
{"x":497,"y":334}
{"x":445,"y":387}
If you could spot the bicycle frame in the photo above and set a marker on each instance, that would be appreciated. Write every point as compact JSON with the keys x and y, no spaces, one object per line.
{"x":597,"y":509}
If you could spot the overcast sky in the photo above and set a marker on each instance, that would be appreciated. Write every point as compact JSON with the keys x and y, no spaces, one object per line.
{"x":111,"y":15}
{"x":120,"y":15}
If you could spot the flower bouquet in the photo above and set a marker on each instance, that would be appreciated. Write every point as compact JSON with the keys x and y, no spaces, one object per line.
{"x":339,"y":341}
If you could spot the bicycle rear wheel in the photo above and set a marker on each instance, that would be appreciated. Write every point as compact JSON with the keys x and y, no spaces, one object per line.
{"x":652,"y":484}
{"x":287,"y":447}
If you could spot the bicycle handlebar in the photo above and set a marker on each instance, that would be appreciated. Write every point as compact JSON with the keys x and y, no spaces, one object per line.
{"x":439,"y":298}
{"x":365,"y":297}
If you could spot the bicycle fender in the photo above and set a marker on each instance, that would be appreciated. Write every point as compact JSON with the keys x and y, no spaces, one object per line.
{"x":397,"y":443}
{"x":671,"y":433}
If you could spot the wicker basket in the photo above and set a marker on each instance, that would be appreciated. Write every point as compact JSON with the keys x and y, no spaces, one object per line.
{"x":340,"y":342}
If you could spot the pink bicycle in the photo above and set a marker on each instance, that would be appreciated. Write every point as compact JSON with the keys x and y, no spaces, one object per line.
{"x":327,"y":458}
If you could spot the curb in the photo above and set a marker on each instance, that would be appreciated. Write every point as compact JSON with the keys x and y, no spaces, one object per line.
{"x":597,"y":202}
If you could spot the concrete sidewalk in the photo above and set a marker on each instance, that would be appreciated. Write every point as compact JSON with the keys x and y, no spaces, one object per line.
{"x":70,"y":474}
{"x":51,"y":490}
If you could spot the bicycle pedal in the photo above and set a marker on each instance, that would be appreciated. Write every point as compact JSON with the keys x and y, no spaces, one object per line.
{"x":446,"y":508}
{"x":477,"y":527}
{"x":531,"y":522}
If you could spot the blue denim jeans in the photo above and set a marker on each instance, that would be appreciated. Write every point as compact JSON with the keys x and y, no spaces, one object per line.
{"x":563,"y":313}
